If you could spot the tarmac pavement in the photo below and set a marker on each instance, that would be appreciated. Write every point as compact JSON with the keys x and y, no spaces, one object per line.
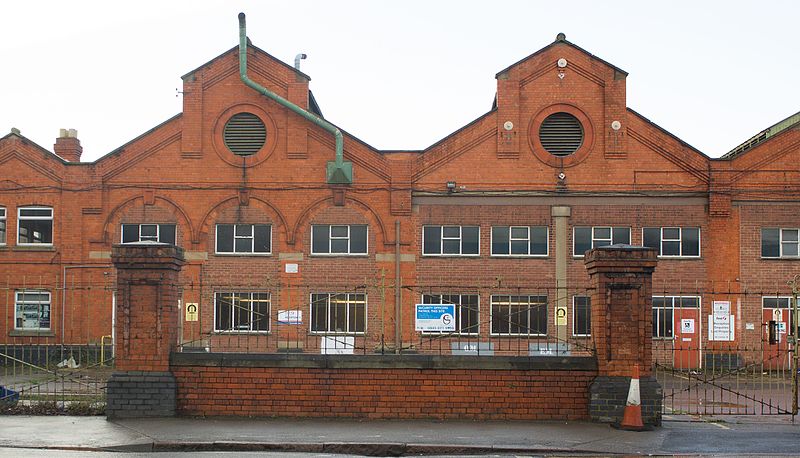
{"x":679,"y":435}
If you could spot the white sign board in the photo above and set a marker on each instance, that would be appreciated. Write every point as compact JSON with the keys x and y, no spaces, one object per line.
{"x":435,"y":317}
{"x":292,"y":268}
{"x":687,"y":326}
{"x":290,"y":316}
{"x":720,"y":323}
{"x":337,"y":345}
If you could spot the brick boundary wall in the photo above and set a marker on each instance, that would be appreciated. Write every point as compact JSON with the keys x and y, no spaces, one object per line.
{"x":384,"y":387}
{"x":153,"y":379}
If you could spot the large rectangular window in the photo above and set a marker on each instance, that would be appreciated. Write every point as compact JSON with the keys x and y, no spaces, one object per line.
{"x":664,"y":313}
{"x":241,"y":311}
{"x":244,"y":238}
{"x":519,"y":240}
{"x":2,"y":226}
{"x":673,"y":241}
{"x":581,"y":316}
{"x":780,"y":243}
{"x":586,"y":238}
{"x":35,"y":226}
{"x":451,"y":240}
{"x":32,"y":310}
{"x":519,"y":315}
{"x":338,"y":313}
{"x":163,"y":233}
{"x":466,"y":309}
{"x":339,"y":239}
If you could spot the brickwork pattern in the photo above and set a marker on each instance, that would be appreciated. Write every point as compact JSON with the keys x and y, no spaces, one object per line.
{"x":136,"y":394}
{"x":463,"y":394}
{"x":610,"y":394}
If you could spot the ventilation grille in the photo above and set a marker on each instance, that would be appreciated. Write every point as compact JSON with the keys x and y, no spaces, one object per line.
{"x":245,"y":134}
{"x":561,"y":134}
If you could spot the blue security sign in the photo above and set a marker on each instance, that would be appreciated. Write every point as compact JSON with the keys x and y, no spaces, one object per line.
{"x":435,"y":317}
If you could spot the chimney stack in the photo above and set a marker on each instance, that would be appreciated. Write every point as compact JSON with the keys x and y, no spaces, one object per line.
{"x":67,"y":146}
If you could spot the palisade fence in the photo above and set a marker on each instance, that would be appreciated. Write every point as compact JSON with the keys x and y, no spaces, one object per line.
{"x":360,"y":319}
{"x":56,"y":352}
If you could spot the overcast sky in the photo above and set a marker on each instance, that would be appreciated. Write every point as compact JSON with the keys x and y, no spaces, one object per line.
{"x":398,"y":75}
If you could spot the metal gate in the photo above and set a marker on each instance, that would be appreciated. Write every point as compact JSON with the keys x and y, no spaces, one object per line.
{"x":733,"y":355}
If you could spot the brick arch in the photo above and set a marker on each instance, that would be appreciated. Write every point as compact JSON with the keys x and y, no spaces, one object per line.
{"x":214,"y":212}
{"x":113,"y":214}
{"x":318,"y":205}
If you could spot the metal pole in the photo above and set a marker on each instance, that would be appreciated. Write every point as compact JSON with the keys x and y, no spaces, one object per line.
{"x":794,"y":284}
{"x":398,"y":340}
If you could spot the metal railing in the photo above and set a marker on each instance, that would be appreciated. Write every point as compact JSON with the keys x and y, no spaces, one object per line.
{"x":360,"y":319}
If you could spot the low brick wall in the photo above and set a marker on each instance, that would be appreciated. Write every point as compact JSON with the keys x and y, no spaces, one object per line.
{"x":387,"y":387}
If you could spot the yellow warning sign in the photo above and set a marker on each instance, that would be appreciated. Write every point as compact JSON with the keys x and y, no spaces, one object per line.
{"x":561,"y":316}
{"x":192,"y":311}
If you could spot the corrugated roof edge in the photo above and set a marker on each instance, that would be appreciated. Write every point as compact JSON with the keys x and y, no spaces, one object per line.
{"x":669,"y":133}
{"x":558,"y":41}
{"x":779,"y":127}
{"x":249,"y":45}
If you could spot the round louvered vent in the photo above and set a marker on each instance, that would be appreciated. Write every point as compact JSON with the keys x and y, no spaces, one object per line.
{"x":245,"y":134}
{"x":561,"y":134}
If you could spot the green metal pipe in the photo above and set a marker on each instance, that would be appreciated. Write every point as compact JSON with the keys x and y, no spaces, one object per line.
{"x":338,"y":171}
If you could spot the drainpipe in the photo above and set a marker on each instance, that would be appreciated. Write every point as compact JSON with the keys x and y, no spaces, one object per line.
{"x":398,"y":339}
{"x":338,"y":171}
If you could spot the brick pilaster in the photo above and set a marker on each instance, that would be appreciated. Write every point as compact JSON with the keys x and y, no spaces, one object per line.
{"x":146,"y":330}
{"x":622,"y":326}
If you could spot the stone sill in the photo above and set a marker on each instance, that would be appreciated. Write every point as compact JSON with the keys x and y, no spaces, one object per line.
{"x":45,"y":248}
{"x":289,"y":360}
{"x":21,"y":333}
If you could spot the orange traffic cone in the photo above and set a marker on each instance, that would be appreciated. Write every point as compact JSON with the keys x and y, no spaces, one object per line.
{"x":632,"y":418}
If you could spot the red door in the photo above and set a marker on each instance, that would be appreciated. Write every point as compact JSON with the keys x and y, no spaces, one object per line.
{"x":776,"y":356}
{"x":687,"y":337}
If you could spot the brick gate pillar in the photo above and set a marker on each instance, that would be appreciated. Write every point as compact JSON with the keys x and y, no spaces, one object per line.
{"x":622,"y":329}
{"x":146,"y":329}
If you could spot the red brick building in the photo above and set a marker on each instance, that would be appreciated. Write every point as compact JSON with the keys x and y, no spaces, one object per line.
{"x":283,"y":255}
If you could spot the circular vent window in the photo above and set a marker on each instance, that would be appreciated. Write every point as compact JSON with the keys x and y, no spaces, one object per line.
{"x":245,"y":134}
{"x":561,"y":134}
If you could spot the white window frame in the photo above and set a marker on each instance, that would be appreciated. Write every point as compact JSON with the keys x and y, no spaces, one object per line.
{"x":781,"y":242}
{"x":529,"y":303}
{"x":50,"y":218}
{"x":349,"y":301}
{"x":594,"y":239}
{"x":149,"y":238}
{"x":251,"y":321}
{"x":787,"y":298}
{"x":252,"y":236}
{"x":473,"y":330}
{"x":331,"y":238}
{"x":3,"y":221}
{"x":679,"y":240}
{"x":673,"y":308}
{"x":575,"y":317}
{"x":17,"y":303}
{"x":510,"y":255}
{"x":460,"y":238}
